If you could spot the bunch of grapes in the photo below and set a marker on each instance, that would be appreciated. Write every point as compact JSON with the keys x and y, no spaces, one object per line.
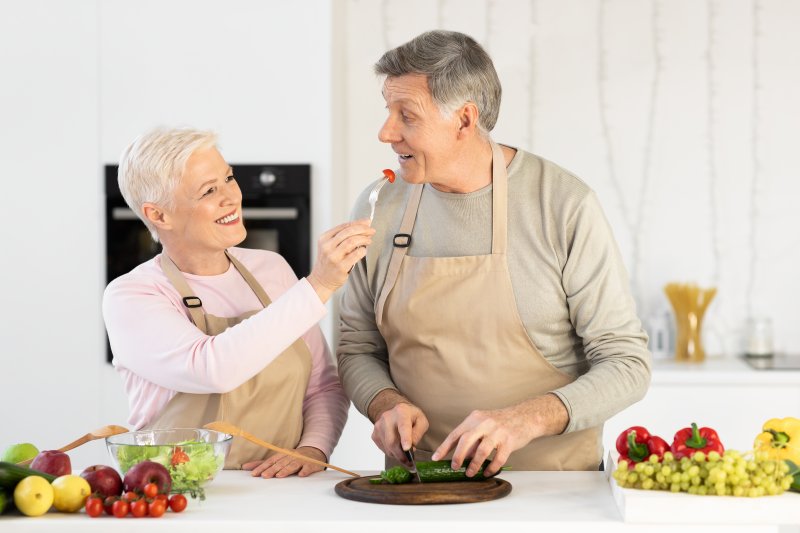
{"x":729,"y":474}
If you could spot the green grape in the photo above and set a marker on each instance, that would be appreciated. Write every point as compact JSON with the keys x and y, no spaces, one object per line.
{"x":699,"y":457}
{"x":713,"y":456}
{"x":666,"y":470}
{"x":654,"y":458}
{"x":675,"y":487}
{"x":632,"y":477}
{"x":649,"y":471}
{"x":668,"y":456}
{"x":648,"y":484}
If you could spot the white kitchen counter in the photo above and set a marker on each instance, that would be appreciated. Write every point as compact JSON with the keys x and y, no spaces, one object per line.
{"x":539,"y":501}
{"x":728,"y":371}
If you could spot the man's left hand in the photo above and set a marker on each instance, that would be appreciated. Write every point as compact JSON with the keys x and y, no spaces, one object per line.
{"x":503,"y":431}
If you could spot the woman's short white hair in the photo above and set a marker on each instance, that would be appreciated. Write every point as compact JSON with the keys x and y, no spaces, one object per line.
{"x":151,"y":167}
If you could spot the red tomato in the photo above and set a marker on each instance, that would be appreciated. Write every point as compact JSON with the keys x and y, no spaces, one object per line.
{"x":108,"y":503}
{"x":389,"y":173}
{"x":157,"y":508}
{"x":121,"y":508}
{"x":130,"y":496}
{"x":139,"y":508}
{"x":163,"y":497}
{"x":94,"y":507}
{"x":179,"y":456}
{"x":177,"y":503}
{"x":150,"y":490}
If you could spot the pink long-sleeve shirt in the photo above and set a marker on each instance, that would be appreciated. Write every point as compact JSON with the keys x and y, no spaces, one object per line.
{"x":158,"y":351}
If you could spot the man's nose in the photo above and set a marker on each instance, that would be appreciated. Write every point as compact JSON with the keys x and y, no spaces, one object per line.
{"x":389,"y":132}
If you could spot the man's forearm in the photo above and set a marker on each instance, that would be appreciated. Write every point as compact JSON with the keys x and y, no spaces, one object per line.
{"x":384,"y":401}
{"x":547,"y":415}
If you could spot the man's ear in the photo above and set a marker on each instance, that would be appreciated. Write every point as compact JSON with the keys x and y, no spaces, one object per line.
{"x":468,"y":119}
{"x":156,"y":216}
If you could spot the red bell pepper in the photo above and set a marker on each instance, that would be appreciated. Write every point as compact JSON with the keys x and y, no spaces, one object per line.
{"x":635,"y":445}
{"x":689,"y":441}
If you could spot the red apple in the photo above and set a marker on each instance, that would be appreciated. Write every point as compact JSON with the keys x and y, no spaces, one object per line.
{"x":104,"y":480}
{"x":147,"y":472}
{"x":52,"y":462}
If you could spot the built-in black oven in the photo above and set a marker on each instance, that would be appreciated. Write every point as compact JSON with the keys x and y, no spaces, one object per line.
{"x":276,"y":208}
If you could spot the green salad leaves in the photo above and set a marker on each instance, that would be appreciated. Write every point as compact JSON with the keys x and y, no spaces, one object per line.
{"x":190,"y":463}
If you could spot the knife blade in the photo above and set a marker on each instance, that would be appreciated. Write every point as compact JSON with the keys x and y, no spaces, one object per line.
{"x":413,"y":470}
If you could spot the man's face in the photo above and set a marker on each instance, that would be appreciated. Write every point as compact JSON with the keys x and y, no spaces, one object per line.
{"x":422,"y":138}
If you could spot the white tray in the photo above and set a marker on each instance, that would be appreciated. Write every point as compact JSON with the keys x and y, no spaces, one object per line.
{"x":663,"y":507}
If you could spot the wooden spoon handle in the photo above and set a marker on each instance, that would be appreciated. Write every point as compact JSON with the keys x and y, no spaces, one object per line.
{"x":225,"y":427}
{"x":72,"y":445}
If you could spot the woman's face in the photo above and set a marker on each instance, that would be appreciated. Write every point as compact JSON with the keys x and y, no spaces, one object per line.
{"x":422,"y":138}
{"x":207,"y":216}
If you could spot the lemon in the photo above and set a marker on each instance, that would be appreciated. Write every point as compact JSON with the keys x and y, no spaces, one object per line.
{"x":16,"y":453}
{"x":33,"y":496}
{"x":70,"y":493}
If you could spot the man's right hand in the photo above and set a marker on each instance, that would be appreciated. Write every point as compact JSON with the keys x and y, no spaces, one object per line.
{"x":399,"y":424}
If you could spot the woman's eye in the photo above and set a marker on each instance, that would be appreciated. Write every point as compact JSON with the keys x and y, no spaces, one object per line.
{"x":230,"y":178}
{"x":209,"y":191}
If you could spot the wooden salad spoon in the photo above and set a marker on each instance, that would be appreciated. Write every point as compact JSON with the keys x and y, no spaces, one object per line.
{"x":225,"y":427}
{"x":100,"y":433}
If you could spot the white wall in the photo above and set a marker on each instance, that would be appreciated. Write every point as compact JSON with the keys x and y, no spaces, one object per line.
{"x":80,"y":80}
{"x":693,"y":104}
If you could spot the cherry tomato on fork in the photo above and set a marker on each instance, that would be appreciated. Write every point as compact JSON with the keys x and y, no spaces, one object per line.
{"x":389,"y":173}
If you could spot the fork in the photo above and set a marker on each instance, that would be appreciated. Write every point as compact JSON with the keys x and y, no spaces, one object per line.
{"x":373,"y":195}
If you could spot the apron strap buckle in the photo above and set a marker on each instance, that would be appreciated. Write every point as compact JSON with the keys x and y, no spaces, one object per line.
{"x":399,"y":241}
{"x":192,"y":301}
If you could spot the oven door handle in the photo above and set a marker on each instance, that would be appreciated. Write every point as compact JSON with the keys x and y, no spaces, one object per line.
{"x":251,"y":213}
{"x":270,"y":213}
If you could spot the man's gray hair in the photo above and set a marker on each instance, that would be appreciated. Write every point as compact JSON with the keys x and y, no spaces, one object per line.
{"x":152,"y":165}
{"x":458,"y":70}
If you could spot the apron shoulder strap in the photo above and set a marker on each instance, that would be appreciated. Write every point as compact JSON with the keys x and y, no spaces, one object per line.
{"x":401,"y":241}
{"x":192,"y":302}
{"x":250,"y":279}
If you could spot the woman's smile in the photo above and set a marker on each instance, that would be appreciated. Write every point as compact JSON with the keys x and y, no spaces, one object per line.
{"x":229,"y":219}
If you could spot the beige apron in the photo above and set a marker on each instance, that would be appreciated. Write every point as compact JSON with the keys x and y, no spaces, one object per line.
{"x":269,"y":405}
{"x":456,"y":342}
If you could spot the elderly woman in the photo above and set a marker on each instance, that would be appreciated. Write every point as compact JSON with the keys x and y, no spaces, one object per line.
{"x":207,"y":331}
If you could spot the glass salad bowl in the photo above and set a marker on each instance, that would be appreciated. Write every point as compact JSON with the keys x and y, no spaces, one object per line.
{"x":193,"y":457}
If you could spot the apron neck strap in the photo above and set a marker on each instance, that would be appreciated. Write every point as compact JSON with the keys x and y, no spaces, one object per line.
{"x":192,"y":303}
{"x":499,"y":201}
{"x":250,"y":279}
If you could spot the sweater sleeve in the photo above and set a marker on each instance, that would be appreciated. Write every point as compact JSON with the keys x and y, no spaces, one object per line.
{"x":325,"y":406}
{"x":152,"y":337}
{"x":603,"y":313}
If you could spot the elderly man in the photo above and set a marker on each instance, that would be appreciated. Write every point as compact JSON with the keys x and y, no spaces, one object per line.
{"x":492,"y":317}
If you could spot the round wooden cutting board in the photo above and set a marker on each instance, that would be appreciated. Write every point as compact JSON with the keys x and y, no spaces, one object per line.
{"x":361,"y":490}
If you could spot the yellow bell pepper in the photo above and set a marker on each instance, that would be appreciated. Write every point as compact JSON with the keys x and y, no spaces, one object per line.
{"x":780,"y":439}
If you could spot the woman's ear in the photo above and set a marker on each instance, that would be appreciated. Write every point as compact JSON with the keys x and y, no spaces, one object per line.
{"x":468,"y":119}
{"x":156,"y":215}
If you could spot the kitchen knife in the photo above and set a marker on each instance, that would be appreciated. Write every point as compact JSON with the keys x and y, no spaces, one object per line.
{"x":413,"y":470}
